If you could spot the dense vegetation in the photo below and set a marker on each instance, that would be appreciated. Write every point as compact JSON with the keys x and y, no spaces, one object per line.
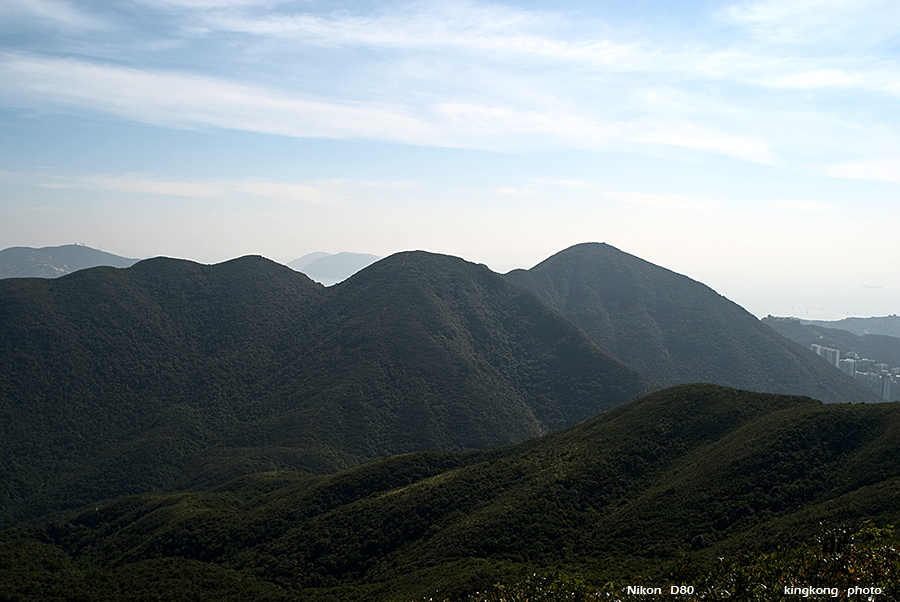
{"x":695,"y":472}
{"x":675,"y":330}
{"x":172,"y":374}
{"x":173,"y":431}
{"x":849,"y":564}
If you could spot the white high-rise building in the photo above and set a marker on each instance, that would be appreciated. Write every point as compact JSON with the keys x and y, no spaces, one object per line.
{"x":832,"y":356}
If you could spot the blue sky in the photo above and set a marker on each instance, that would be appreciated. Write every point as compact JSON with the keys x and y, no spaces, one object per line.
{"x":753,"y":146}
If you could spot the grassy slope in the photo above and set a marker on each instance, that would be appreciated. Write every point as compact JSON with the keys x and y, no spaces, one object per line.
{"x":696,"y":467}
{"x":676,"y":330}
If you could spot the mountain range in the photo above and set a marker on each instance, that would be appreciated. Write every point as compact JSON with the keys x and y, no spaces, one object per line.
{"x":405,"y":429}
{"x":53,"y":262}
{"x":175,"y":374}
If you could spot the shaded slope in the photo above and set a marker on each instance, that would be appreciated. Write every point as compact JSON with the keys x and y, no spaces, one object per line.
{"x":173,"y":373}
{"x":676,"y":330}
{"x":52,"y":262}
{"x":695,"y":466}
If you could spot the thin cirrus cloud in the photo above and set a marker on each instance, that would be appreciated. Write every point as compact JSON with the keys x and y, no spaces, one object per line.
{"x":55,"y":13}
{"x":322,"y":193}
{"x":805,"y":22}
{"x":179,"y":100}
{"x":444,"y":101}
{"x":502,"y":32}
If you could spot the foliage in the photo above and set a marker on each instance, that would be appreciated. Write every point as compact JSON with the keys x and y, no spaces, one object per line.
{"x":841,"y":559}
{"x":171,"y":374}
{"x":716,"y":471}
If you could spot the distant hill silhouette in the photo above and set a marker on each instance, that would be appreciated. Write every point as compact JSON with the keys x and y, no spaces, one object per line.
{"x":172,"y":373}
{"x":885,"y":325}
{"x":52,"y":262}
{"x":881,"y":348}
{"x":330,"y":269}
{"x":301,"y":262}
{"x":676,"y":330}
{"x":699,"y":469}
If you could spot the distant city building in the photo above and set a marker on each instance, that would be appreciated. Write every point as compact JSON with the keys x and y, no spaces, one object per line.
{"x":849,"y":366}
{"x":878,"y":376}
{"x":832,"y":356}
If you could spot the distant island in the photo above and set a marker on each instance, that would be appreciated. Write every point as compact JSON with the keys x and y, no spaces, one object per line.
{"x":329,"y":269}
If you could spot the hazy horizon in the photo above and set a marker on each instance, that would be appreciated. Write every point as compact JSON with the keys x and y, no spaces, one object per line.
{"x":752,"y":146}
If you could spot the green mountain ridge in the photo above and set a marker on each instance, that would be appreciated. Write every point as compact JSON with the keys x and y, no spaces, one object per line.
{"x":675,"y":330}
{"x":698,"y":468}
{"x":172,"y":374}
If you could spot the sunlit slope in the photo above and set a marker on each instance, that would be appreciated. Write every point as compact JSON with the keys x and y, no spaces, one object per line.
{"x":676,"y":330}
{"x":698,"y":468}
{"x":172,"y":373}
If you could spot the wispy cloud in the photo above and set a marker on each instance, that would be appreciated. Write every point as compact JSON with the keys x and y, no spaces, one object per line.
{"x":55,"y":13}
{"x":468,"y":26}
{"x":816,"y":21}
{"x":181,"y":100}
{"x":307,"y":193}
{"x":475,"y":75}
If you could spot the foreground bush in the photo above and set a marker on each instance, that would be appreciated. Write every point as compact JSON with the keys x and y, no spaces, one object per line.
{"x":843,"y":564}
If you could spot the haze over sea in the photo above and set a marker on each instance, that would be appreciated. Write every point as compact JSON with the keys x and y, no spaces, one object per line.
{"x":752,"y":146}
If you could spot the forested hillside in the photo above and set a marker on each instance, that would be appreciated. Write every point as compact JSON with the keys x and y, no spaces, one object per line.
{"x":676,"y":479}
{"x":175,"y":374}
{"x":676,"y":330}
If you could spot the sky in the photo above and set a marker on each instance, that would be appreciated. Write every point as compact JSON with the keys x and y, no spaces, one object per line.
{"x":753,"y":146}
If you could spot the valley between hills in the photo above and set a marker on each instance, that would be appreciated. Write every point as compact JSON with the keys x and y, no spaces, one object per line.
{"x":423,"y":429}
